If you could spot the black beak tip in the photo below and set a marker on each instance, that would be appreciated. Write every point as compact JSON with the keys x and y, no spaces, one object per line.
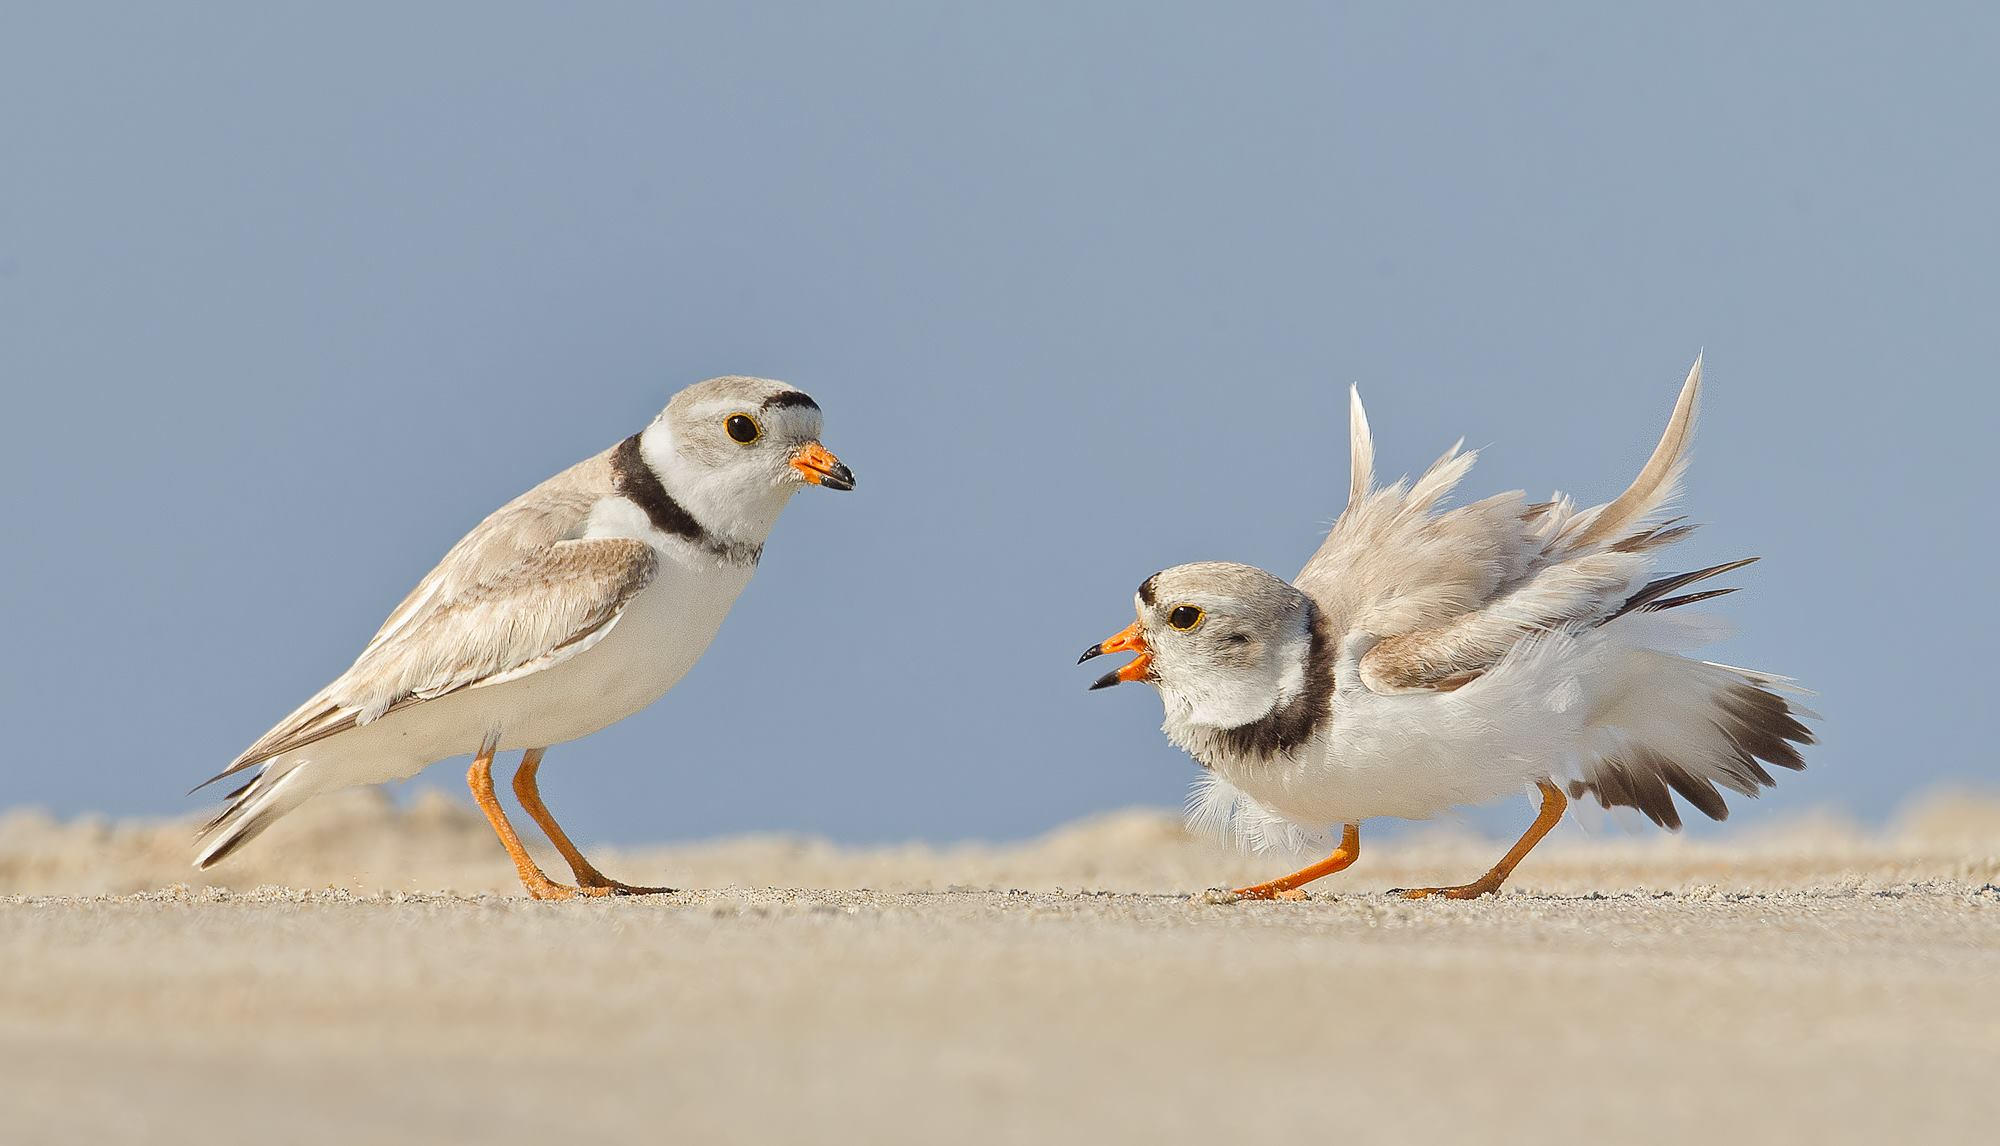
{"x":841,"y":478}
{"x":1105,"y":681}
{"x":1096,"y":650}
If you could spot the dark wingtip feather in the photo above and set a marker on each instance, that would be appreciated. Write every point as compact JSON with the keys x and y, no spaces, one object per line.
{"x":1654,"y":590}
{"x":1663,"y":534}
{"x":1661,"y":606}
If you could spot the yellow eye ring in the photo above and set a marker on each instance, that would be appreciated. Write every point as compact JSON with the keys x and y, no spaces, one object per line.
{"x":1185,"y":618}
{"x":742,"y":428}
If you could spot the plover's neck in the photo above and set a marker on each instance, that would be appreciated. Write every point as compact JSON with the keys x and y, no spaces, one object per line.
{"x":672,"y":520}
{"x":1299,"y":709}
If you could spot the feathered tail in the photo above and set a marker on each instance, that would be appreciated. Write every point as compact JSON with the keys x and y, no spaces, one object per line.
{"x":252,"y":808}
{"x":1665,"y":724}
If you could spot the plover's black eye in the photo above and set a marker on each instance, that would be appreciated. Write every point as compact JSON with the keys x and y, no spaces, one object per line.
{"x":743,"y":428}
{"x":1185,"y":617}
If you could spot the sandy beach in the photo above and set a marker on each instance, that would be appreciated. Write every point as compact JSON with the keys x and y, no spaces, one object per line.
{"x":371,"y":974}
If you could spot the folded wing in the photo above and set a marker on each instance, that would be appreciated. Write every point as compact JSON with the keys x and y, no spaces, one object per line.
{"x":516,"y":596}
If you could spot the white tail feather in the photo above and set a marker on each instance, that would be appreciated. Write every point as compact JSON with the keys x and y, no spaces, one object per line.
{"x":1440,"y":479}
{"x":1658,"y":480}
{"x":1361,"y":447}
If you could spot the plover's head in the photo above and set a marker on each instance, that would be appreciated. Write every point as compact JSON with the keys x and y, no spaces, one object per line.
{"x":733,"y":450}
{"x":1225,"y":644}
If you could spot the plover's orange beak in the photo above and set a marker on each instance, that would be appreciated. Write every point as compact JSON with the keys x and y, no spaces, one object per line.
{"x":818,"y":466}
{"x":1128,"y":640}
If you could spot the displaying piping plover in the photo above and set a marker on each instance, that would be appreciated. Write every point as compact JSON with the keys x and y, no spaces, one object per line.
{"x":1425,"y":660}
{"x":569,"y":608}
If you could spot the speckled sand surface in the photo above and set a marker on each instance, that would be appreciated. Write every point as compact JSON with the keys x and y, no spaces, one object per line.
{"x":1805,"y":983}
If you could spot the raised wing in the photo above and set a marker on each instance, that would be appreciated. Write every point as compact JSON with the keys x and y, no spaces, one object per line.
{"x":1591,"y":590}
{"x":1448,"y":594}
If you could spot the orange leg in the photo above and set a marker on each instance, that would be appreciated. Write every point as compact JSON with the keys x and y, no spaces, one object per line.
{"x":480,"y":780}
{"x":587,"y":875}
{"x":1344,"y":855}
{"x":1553,"y":803}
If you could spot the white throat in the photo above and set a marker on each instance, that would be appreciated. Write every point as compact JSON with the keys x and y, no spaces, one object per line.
{"x":738,"y":504}
{"x":1207,"y":698}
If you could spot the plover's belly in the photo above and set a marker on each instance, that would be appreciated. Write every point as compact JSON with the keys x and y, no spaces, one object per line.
{"x":1321,"y":790}
{"x":658,"y":638}
{"x":1412,"y":756}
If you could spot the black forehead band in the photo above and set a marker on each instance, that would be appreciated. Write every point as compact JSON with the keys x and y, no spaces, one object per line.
{"x":785,"y":398}
{"x":1146,"y":588}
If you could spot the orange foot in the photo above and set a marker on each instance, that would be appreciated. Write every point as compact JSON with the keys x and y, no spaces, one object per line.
{"x":1553,"y":803}
{"x":1463,"y":891}
{"x":611,"y":886}
{"x":542,"y":887}
{"x":1287,"y":886}
{"x":589,"y":880}
{"x":595,"y":884}
{"x":1275,"y":889}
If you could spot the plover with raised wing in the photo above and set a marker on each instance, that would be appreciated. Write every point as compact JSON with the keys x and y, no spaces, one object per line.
{"x":1425,"y":660}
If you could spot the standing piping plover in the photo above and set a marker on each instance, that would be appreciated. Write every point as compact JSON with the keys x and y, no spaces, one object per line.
{"x":569,"y":608}
{"x":1423,"y":661}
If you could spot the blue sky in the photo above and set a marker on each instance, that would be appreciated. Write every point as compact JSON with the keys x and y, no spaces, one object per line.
{"x":291,"y":296}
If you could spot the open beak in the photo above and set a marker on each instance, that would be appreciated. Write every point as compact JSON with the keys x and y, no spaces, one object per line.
{"x":818,"y":466}
{"x":1127,"y":641}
